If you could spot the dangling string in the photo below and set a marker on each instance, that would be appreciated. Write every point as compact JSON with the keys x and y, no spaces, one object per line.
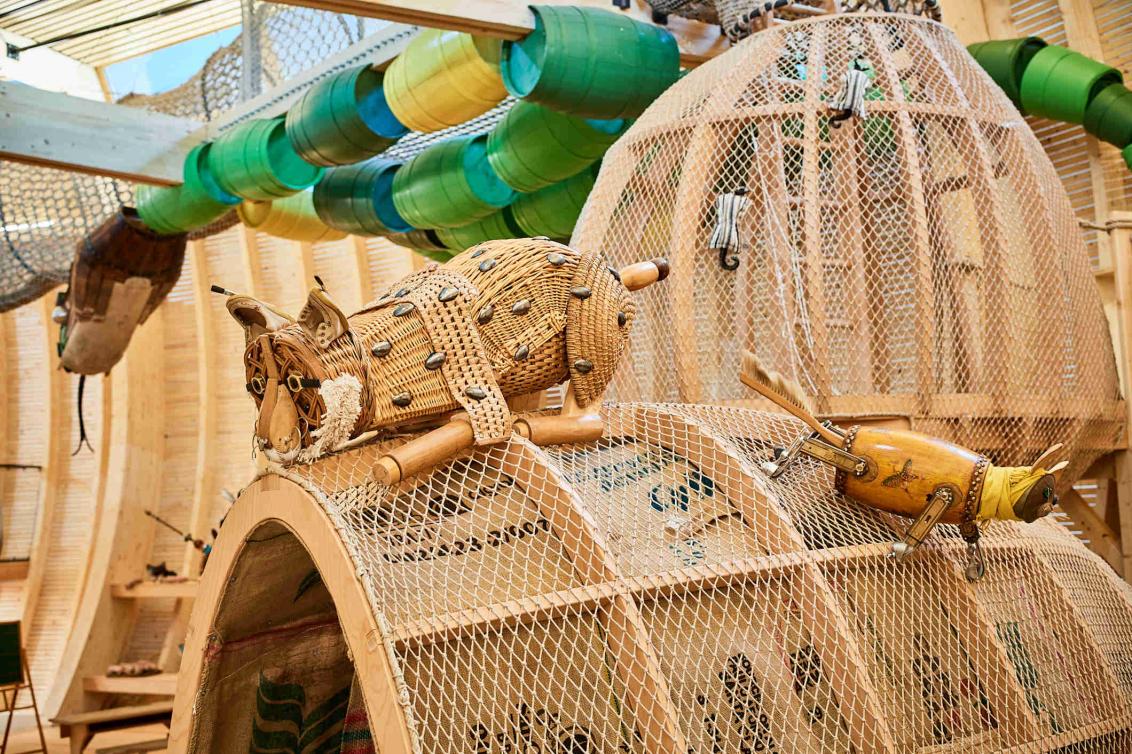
{"x":725,"y":236}
{"x":83,"y":440}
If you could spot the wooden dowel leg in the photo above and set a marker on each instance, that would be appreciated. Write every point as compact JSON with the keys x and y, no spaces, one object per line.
{"x":643,"y":274}
{"x":424,"y":452}
{"x":560,"y":430}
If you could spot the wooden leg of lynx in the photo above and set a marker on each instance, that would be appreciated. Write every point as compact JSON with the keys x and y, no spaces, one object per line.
{"x":442,"y":443}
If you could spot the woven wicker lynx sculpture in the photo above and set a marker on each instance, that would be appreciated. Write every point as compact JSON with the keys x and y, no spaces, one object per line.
{"x":502,"y":320}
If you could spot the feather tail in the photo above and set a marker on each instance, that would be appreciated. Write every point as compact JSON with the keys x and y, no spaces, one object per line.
{"x":783,"y":391}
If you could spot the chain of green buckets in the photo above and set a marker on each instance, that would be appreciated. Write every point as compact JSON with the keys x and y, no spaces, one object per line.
{"x":1057,"y":83}
{"x":315,"y":174}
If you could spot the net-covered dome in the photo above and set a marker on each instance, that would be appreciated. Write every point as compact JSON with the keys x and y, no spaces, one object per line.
{"x":650,"y":592}
{"x":921,"y":261}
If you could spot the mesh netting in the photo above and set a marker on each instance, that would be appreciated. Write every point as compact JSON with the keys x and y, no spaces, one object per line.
{"x":654,"y":591}
{"x":921,"y":262}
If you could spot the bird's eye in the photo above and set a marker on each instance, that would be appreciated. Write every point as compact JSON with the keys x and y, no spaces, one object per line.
{"x":258,"y":385}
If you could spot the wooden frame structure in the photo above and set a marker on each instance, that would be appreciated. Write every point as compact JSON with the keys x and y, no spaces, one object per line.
{"x":621,"y":600}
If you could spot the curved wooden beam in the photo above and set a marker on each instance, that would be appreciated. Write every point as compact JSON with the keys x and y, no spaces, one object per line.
{"x":58,"y":433}
{"x":274,"y":499}
{"x":204,"y":477}
{"x":124,"y":535}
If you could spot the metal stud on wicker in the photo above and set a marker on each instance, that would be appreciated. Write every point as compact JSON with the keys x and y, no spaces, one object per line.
{"x":447,"y":346}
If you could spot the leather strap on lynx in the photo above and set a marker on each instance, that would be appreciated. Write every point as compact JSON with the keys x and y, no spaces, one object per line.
{"x":443,"y":301}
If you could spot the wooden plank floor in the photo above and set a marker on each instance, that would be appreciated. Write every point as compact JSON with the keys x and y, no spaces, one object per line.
{"x":26,"y":740}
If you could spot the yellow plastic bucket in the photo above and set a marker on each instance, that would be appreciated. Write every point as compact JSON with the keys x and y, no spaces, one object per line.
{"x":293,"y":217}
{"x":444,"y":78}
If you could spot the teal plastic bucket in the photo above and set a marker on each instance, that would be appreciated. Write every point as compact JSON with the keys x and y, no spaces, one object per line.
{"x":344,"y":119}
{"x":169,"y":210}
{"x":450,"y":184}
{"x":498,"y":225}
{"x":554,"y":210}
{"x":358,"y":199}
{"x":533,"y":146}
{"x":590,"y":62}
{"x":1109,"y":116}
{"x":1005,"y":60}
{"x":1059,"y":84}
{"x":198,"y":178}
{"x":255,"y":160}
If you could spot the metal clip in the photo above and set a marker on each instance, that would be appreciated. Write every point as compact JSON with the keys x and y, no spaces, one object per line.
{"x":940,"y":500}
{"x":976,"y":566}
{"x":812,"y":445}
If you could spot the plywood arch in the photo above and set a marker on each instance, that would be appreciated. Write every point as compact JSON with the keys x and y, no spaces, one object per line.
{"x":272,"y":506}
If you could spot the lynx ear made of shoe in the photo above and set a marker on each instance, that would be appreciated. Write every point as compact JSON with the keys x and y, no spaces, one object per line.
{"x":255,"y":316}
{"x":321,"y":318}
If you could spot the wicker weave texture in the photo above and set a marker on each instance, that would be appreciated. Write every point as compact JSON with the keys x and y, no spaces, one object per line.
{"x":507,"y":317}
{"x":921,"y":261}
{"x":655,"y":592}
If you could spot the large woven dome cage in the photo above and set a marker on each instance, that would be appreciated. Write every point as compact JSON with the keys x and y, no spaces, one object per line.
{"x":652,"y":591}
{"x":919,"y":261}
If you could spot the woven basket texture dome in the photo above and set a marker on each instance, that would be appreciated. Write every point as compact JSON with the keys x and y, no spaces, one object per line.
{"x":650,"y":592}
{"x":920,"y":262}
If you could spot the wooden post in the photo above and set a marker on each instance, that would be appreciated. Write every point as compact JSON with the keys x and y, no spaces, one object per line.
{"x":1122,"y":460}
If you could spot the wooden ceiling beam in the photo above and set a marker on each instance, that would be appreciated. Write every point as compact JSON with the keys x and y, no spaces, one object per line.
{"x":72,"y":133}
{"x":61,"y":131}
{"x":511,"y":19}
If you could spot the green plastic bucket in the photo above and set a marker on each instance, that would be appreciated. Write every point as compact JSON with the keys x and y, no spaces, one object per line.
{"x":344,"y":119}
{"x":420,"y":239}
{"x":198,"y":178}
{"x":498,"y":225}
{"x":169,"y":210}
{"x":255,"y":160}
{"x":450,"y":184}
{"x":1109,"y":115}
{"x":533,"y":146}
{"x":358,"y":198}
{"x":590,"y":62}
{"x":552,"y":211}
{"x":1005,"y":60}
{"x":1059,"y":84}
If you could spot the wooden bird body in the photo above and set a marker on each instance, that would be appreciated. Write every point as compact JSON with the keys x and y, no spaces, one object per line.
{"x":501,"y":320}
{"x":910,"y":474}
{"x":907,"y":469}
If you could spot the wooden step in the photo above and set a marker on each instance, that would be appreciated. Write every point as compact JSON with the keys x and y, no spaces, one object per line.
{"x":158,"y":744}
{"x":156,"y":590}
{"x":154,"y":712}
{"x":162,"y":684}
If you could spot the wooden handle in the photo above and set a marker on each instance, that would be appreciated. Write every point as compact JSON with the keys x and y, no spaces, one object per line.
{"x":560,"y":430}
{"x":643,"y":274}
{"x":424,"y":452}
